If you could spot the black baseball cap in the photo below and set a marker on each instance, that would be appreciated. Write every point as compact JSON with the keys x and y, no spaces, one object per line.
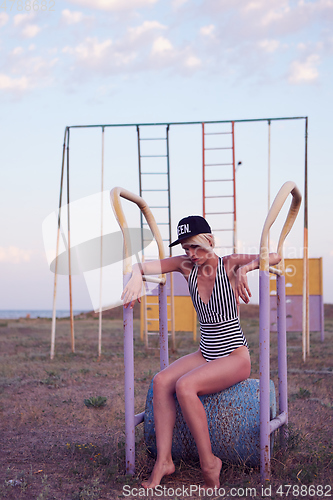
{"x":191,"y":226}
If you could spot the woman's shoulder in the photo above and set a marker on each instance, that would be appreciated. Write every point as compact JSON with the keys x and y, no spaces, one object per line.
{"x":228,"y":262}
{"x":180,"y":263}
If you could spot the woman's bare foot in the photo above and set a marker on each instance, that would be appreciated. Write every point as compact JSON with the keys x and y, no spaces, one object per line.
{"x":211,"y":473}
{"x":159,"y":470}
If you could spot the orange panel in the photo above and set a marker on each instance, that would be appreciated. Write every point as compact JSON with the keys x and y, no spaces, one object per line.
{"x":185,"y":317}
{"x":294,"y":277}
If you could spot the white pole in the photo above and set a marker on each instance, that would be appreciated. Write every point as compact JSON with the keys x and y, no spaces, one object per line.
{"x":269,"y":173}
{"x":57,"y":253}
{"x":101,"y":267}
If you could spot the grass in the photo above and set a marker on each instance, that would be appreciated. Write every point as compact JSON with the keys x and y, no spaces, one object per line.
{"x":95,"y":401}
{"x":55,"y":447}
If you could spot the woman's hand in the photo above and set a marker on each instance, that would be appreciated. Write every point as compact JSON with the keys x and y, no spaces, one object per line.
{"x":242,"y":289}
{"x":132,"y":291}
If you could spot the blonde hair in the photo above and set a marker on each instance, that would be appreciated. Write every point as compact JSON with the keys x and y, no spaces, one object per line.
{"x":203,"y":240}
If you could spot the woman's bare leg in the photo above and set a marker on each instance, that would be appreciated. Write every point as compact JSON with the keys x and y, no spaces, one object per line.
{"x":165,"y":413}
{"x":207,"y":379}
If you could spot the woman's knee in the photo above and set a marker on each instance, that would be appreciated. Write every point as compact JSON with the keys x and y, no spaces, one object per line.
{"x":184,"y":387}
{"x":244,"y":370}
{"x":162,"y":382}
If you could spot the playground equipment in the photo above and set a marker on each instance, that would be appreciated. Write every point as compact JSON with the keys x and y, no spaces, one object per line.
{"x":215,"y":155}
{"x":132,"y":420}
{"x":267,"y":426}
{"x":185,"y":317}
{"x":220,"y":153}
{"x":294,"y":298}
{"x":241,"y":421}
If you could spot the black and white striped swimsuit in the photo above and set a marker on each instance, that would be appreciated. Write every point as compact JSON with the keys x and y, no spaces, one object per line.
{"x":220,"y":328}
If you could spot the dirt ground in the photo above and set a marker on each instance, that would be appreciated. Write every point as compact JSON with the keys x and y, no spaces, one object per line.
{"x":53,"y":446}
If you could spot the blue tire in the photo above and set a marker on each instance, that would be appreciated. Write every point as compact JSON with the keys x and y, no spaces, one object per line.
{"x":233,"y":417}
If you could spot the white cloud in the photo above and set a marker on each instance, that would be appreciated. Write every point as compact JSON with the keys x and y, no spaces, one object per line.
{"x":71,"y":17}
{"x":258,"y":19}
{"x":114,"y":5}
{"x":274,"y":15}
{"x":4,"y":17}
{"x":269,"y":45}
{"x":90,"y":50}
{"x":304,"y":71}
{"x":130,"y":54}
{"x":161,"y":46}
{"x":144,"y":28}
{"x":207,"y":30}
{"x":30,"y":31}
{"x":14,"y":255}
{"x":17,"y":51}
{"x":192,"y":62}
{"x":164,"y":54}
{"x":24,"y":72}
{"x":301,"y":46}
{"x":20,"y":19}
{"x":23,"y":21}
{"x":103,"y":57}
{"x":13,"y":84}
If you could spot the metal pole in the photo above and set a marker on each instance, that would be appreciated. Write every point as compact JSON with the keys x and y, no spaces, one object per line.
{"x":321,"y":297}
{"x":130,"y":418}
{"x":266,"y":426}
{"x":140,"y":182}
{"x":169,"y":187}
{"x":264,"y":369}
{"x":234,"y":186}
{"x":203,"y":172}
{"x":172,"y":301}
{"x":306,"y":329}
{"x":163,"y":324}
{"x":57,"y":249}
{"x":101,"y":257}
{"x":282,"y":354}
{"x":69,"y":254}
{"x":129,"y":386}
{"x":144,"y":297}
{"x":269,"y":173}
{"x":188,"y":123}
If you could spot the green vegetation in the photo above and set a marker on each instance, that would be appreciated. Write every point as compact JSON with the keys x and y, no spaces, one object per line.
{"x":95,"y":401}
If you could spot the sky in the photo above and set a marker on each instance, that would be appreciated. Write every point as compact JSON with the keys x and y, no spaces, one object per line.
{"x":150,"y":61}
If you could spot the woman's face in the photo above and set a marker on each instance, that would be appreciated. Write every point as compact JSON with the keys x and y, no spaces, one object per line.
{"x":197,"y":254}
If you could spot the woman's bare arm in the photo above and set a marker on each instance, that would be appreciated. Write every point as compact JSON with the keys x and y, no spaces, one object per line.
{"x":238,"y":265}
{"x":133,"y":289}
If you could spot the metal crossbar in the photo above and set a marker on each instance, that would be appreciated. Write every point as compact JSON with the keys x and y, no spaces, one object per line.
{"x":217,"y":164}
{"x":217,"y":180}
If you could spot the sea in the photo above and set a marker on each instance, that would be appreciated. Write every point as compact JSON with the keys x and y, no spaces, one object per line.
{"x":42,"y":313}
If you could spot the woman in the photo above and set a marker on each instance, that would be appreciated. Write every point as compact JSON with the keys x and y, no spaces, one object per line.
{"x":216,"y":284}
